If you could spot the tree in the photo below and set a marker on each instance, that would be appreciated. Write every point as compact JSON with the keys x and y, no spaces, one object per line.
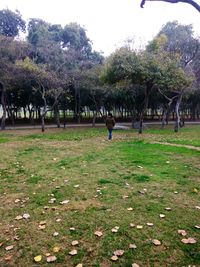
{"x":190,"y":2}
{"x":11,"y":23}
{"x":46,"y":83}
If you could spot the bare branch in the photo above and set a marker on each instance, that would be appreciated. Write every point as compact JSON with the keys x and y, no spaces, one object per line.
{"x":190,"y":2}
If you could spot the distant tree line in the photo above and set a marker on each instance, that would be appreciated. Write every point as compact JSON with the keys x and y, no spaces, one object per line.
{"x":55,"y":71}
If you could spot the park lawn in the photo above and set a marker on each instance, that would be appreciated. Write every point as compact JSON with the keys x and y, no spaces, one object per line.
{"x":130,"y":180}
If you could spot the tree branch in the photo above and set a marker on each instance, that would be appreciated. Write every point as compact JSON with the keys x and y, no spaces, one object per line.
{"x":190,"y":2}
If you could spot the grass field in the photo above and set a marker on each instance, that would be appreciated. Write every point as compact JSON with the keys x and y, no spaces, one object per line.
{"x":73,"y":185}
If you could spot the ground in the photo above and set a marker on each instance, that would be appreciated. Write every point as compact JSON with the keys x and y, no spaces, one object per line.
{"x":74,"y":185}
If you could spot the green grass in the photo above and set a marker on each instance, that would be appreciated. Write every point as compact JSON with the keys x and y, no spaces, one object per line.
{"x":96,"y":176}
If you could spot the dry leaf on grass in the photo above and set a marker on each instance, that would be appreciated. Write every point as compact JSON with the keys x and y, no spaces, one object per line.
{"x":118,"y":252}
{"x":130,"y":209}
{"x":56,"y":249}
{"x":150,"y":224}
{"x":51,"y":258}
{"x":64,"y":202}
{"x":9,"y":247}
{"x":19,"y":217}
{"x":189,"y":240}
{"x":156,"y":242}
{"x":26,"y":216}
{"x":182,"y":232}
{"x":132,"y":246}
{"x":75,"y":243}
{"x":55,"y":234}
{"x":98,"y":233}
{"x":38,"y":258}
{"x":73,"y":252}
{"x":8,"y":257}
{"x":115,"y":229}
{"x":114,"y":258}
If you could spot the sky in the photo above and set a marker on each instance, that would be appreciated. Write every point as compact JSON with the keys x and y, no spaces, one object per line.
{"x":109,"y":23}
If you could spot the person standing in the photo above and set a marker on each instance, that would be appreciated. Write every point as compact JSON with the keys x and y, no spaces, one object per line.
{"x":110,"y":123}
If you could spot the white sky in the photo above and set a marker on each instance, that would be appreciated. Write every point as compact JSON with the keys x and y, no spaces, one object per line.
{"x":109,"y":22}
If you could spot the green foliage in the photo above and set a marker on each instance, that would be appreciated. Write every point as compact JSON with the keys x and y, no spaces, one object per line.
{"x":11,"y":23}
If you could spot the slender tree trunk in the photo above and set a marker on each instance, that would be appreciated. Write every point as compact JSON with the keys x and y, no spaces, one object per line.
{"x":57,"y":116}
{"x":64,"y":114}
{"x":177,"y":122}
{"x":3,"y":102}
{"x":146,"y":102}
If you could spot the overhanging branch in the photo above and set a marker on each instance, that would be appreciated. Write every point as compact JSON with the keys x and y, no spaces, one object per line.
{"x":190,"y":2}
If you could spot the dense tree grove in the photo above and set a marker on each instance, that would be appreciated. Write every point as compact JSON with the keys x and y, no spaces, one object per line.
{"x":55,"y":74}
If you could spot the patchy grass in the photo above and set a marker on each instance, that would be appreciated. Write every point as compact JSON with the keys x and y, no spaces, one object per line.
{"x":101,"y":180}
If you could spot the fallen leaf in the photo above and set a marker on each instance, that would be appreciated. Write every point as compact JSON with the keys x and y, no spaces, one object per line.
{"x":182,"y":232}
{"x":9,"y":247}
{"x":135,"y":265}
{"x":19,"y":217}
{"x":132,"y":246}
{"x":47,"y":254}
{"x":168,"y":209}
{"x":189,"y":240}
{"x":42,"y":223}
{"x":8,"y":257}
{"x":118,"y":253}
{"x":150,"y":224}
{"x":55,"y":234}
{"x":114,"y":258}
{"x":26,"y":216}
{"x":56,"y":249}
{"x":115,"y":229}
{"x":197,"y":226}
{"x":79,"y":265}
{"x":51,"y":258}
{"x":75,"y":243}
{"x":156,"y":242}
{"x":41,"y":227}
{"x":38,"y":258}
{"x":73,"y":252}
{"x":130,"y":209}
{"x":64,"y":202}
{"x":98,"y":233}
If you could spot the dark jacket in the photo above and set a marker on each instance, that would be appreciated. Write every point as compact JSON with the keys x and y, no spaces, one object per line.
{"x":110,"y":122}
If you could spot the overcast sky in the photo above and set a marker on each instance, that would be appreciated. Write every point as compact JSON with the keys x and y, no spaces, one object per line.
{"x":109,"y":22}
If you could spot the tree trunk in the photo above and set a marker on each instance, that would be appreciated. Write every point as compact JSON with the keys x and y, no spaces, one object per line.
{"x":43,"y":122}
{"x":146,"y":102}
{"x":3,"y":102}
{"x":177,"y":122}
{"x":57,"y":116}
